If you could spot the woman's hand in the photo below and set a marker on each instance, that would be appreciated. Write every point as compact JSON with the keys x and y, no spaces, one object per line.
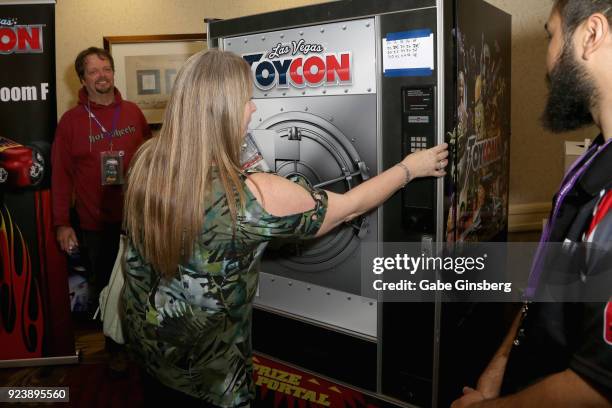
{"x":428,"y":163}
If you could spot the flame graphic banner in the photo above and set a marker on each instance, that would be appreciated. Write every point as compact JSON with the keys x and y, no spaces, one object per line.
{"x":21,"y":315}
{"x":35,"y":319}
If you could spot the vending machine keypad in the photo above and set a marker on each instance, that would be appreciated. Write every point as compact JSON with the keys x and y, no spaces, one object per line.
{"x":417,"y":143}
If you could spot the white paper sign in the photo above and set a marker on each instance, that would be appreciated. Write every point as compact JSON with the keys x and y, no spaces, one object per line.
{"x":408,"y":53}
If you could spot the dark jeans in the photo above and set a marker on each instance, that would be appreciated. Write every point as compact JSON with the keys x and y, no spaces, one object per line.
{"x":101,"y":248}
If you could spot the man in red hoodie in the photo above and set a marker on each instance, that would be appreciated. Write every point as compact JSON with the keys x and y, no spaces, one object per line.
{"x":94,"y":143}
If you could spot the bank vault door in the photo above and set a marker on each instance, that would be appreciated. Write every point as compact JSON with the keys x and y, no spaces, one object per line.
{"x":311,"y":151}
{"x":329,"y":143}
{"x":316,"y":123}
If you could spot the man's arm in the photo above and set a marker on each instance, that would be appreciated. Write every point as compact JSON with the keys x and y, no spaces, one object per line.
{"x":62,"y":185}
{"x":490,"y":381}
{"x":564,"y":389}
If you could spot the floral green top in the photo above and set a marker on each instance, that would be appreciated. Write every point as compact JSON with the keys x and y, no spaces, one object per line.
{"x":194,"y":333}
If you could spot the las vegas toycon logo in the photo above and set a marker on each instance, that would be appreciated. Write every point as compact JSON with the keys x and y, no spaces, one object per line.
{"x":299,"y":64}
{"x":20,"y":39}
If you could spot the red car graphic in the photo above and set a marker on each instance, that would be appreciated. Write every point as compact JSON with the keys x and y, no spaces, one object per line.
{"x":22,"y":166}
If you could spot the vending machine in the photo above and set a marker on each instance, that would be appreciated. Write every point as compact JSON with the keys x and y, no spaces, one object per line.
{"x":344,"y":90}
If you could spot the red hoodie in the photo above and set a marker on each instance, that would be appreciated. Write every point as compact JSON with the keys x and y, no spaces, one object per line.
{"x":76,"y":160}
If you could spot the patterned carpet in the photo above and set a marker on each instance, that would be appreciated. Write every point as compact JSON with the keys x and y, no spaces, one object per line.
{"x":91,"y":383}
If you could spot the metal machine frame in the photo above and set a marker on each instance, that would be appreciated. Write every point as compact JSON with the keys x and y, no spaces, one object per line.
{"x":326,"y":346}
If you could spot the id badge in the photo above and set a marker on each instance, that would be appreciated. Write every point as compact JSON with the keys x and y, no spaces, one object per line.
{"x":112,"y":168}
{"x":251,"y":157}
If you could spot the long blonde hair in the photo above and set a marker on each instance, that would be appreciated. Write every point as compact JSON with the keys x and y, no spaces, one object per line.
{"x":171,"y":174}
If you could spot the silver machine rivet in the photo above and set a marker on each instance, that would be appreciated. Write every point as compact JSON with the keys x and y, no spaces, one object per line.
{"x":306,"y":109}
{"x":246,"y":40}
{"x":282,"y":36}
{"x":282,"y":109}
{"x":263,"y":38}
{"x":301,"y":33}
{"x":368,"y":24}
{"x":322,"y":30}
{"x":369,"y":89}
{"x":346,"y":91}
{"x":324,"y":91}
{"x":344,"y":27}
{"x":229,"y":43}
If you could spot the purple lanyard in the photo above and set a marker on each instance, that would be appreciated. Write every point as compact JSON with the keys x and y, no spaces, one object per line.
{"x":568,"y":183}
{"x":114,"y":123}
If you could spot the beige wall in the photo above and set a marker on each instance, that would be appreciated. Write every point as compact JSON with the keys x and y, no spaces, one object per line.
{"x":536,"y":155}
{"x":83,"y":23}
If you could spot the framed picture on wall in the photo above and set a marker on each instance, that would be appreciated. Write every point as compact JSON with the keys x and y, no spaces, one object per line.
{"x":146,"y":65}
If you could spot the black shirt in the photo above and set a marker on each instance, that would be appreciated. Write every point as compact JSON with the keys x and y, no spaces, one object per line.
{"x":556,"y":336}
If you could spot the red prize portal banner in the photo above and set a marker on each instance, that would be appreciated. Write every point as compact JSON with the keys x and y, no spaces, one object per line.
{"x":34,"y":302}
{"x":282,"y":386}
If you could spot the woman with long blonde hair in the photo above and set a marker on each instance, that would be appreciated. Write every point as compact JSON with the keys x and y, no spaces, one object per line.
{"x":197,"y":226}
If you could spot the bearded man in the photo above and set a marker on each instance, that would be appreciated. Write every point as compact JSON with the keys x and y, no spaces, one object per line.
{"x":559,"y":354}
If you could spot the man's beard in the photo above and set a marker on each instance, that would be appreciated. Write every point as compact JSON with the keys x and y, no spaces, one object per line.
{"x":104,"y":88}
{"x":572,"y":95}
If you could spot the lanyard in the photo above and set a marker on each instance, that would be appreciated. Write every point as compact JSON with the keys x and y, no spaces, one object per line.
{"x":579,"y":167}
{"x":102,"y":128}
